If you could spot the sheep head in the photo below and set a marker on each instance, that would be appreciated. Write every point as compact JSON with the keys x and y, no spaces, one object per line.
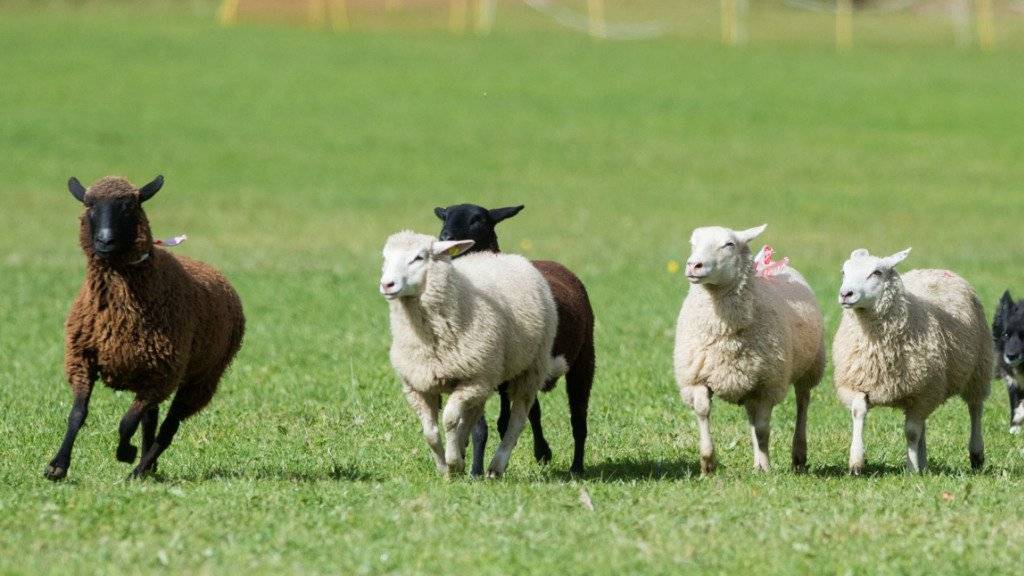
{"x":720,"y":256}
{"x":114,"y":229}
{"x":408,"y":258}
{"x":472,"y":222}
{"x":865,"y":278}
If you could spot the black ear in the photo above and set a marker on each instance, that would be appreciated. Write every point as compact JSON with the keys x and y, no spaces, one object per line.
{"x":441,"y":213}
{"x":150,"y":190}
{"x":1003,"y":312}
{"x":76,"y":189}
{"x":499,"y":214}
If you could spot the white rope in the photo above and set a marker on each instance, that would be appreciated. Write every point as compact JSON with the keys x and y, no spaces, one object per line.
{"x":830,"y":7}
{"x":580,"y":22}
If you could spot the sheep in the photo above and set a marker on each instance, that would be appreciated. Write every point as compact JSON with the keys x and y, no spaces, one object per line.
{"x":462,"y":328}
{"x":1008,"y":337}
{"x":744,"y":336}
{"x":144,"y":321}
{"x":574,"y":340}
{"x":910,"y":343}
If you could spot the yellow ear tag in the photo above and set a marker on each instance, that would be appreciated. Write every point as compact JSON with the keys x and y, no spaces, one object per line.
{"x":453,"y":251}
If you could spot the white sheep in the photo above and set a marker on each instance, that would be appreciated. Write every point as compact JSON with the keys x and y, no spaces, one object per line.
{"x":463,"y":328}
{"x":910,"y":343}
{"x":744,"y":337}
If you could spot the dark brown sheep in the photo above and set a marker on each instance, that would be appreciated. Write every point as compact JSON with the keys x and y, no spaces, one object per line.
{"x":574,"y":340}
{"x":145,"y":321}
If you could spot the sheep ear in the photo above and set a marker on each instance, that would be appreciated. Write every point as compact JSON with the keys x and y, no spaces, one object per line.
{"x":150,"y":190}
{"x":896,"y":258}
{"x":499,"y":214}
{"x":750,"y":233}
{"x":76,"y":189}
{"x":859,"y":253}
{"x":451,"y":248}
{"x":441,"y":213}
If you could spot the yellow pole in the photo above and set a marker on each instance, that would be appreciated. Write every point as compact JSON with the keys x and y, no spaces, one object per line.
{"x":338,"y":14}
{"x":986,"y":25}
{"x":228,"y":12}
{"x":595,"y":18}
{"x":729,"y":22}
{"x":844,"y":24}
{"x":392,"y":5}
{"x":485,"y":16}
{"x":457,"y":16}
{"x":317,"y":8}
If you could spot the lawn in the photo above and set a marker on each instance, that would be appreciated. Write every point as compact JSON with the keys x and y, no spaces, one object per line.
{"x":290,"y":155}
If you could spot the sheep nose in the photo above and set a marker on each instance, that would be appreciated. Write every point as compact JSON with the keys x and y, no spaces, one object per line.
{"x":105,"y":235}
{"x":1012,"y":356}
{"x":387,"y":285}
{"x":694,"y":265}
{"x":846,"y":295}
{"x":445,"y":236}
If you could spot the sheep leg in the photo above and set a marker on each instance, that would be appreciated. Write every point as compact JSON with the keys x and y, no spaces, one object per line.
{"x":700,"y":400}
{"x":479,"y":445}
{"x":168,"y":428}
{"x":577,"y":386}
{"x":58,"y":467}
{"x":461,"y":413}
{"x":858,"y":403}
{"x":149,"y":422}
{"x":541,"y":449}
{"x":976,"y":447}
{"x":426,"y":407}
{"x":913,"y":429}
{"x":523,"y":398}
{"x":922,"y":446}
{"x":126,"y":451}
{"x":803,"y":400}
{"x":759,"y":414}
{"x":503,"y":410}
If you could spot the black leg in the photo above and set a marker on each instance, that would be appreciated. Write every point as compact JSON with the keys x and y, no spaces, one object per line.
{"x":479,"y":445}
{"x":126,"y":451}
{"x":541,"y":450}
{"x":1014,"y":393}
{"x":58,"y":467}
{"x":503,"y":414}
{"x":149,"y":422}
{"x":168,"y":429}
{"x":577,"y":386}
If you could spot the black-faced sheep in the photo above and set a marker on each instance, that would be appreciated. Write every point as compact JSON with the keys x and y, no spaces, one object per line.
{"x":910,"y":342}
{"x":574,"y":341}
{"x":1008,"y":337}
{"x":144,"y":321}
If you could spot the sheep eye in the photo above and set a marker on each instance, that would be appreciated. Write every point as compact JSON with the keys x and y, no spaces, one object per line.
{"x":876,"y":273}
{"x":729,"y":244}
{"x":418,"y":258}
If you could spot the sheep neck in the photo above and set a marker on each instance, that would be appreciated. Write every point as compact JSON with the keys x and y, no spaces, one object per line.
{"x":435,"y":315}
{"x":121,"y":290}
{"x":734,"y":302}
{"x":889,"y":317}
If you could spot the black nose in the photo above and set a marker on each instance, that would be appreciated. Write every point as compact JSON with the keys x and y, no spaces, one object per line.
{"x":846,"y":294}
{"x":445,"y":236}
{"x":105,"y":235}
{"x":1011,"y":356}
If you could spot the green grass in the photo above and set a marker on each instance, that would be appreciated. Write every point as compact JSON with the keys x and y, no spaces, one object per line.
{"x":290,"y":155}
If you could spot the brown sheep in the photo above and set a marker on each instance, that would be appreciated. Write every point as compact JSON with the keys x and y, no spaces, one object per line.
{"x":574,"y":340}
{"x":145,"y":321}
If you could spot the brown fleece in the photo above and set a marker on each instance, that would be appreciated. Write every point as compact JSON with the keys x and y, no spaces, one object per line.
{"x":166,"y":323}
{"x":575,"y":316}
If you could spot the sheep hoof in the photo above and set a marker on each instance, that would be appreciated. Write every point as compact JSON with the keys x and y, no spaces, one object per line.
{"x":1015,"y":428}
{"x":493,"y":474}
{"x":126,"y":453}
{"x":456,"y":468}
{"x":800,"y":466}
{"x":856,"y":469}
{"x":576,"y":471}
{"x":977,"y":461}
{"x":542,"y":453}
{"x":707,"y":465}
{"x":55,"y":473}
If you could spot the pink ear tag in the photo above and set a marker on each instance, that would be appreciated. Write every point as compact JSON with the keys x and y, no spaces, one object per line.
{"x":763,"y":265}
{"x":171,"y":242}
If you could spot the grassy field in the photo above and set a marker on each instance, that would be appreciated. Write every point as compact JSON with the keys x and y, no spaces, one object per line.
{"x":290,"y":155}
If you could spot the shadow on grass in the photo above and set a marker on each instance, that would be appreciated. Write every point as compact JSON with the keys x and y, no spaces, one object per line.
{"x":640,"y":469}
{"x":337,"y":473}
{"x":879,"y":470}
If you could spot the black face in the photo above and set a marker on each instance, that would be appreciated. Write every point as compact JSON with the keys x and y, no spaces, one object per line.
{"x":112,"y":223}
{"x":472,"y":222}
{"x":1008,"y":331}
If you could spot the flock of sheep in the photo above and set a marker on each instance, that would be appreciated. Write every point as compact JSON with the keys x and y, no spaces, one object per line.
{"x":468,"y":321}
